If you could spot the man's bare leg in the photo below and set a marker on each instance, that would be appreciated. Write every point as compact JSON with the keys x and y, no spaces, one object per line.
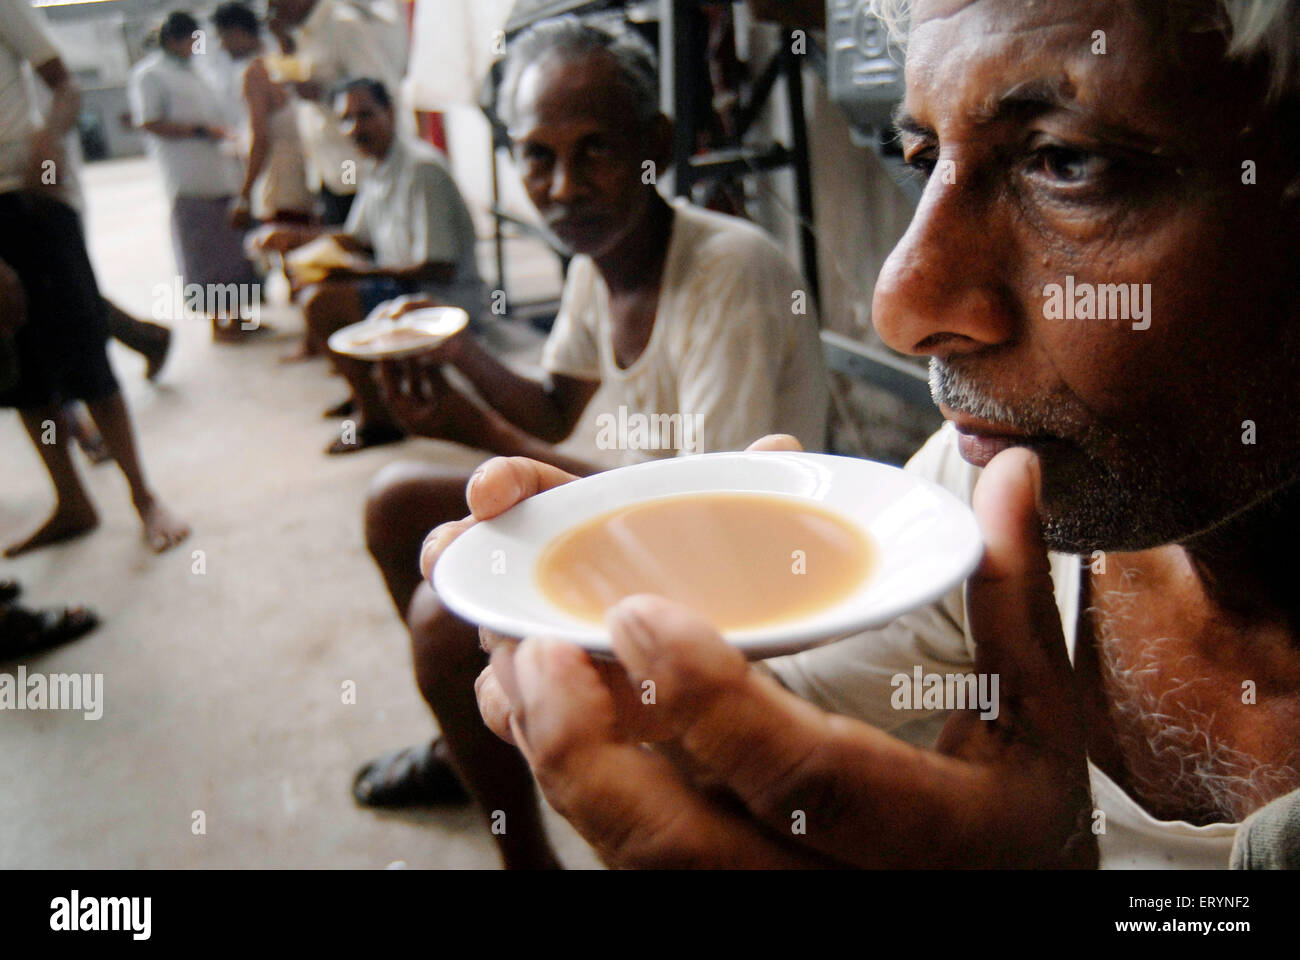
{"x":329,"y":307}
{"x":326,"y":306}
{"x":162,"y":530}
{"x":447,"y":658}
{"x":405,"y":502}
{"x":150,"y":340}
{"x":73,"y":514}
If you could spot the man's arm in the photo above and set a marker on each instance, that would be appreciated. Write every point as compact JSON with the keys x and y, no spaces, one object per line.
{"x":47,"y":142}
{"x":546,"y":410}
{"x":424,"y":403}
{"x":256,"y":95}
{"x":66,"y":104}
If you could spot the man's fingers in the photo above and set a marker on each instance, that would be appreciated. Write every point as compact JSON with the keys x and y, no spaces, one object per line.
{"x":390,"y":376}
{"x":627,"y":801}
{"x":494,"y":488}
{"x":502,"y":482}
{"x":1010,"y":602}
{"x":494,"y":704}
{"x":775,"y":441}
{"x":438,"y":539}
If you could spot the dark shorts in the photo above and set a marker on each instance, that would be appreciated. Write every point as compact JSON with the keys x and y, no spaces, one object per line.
{"x":62,"y":349}
{"x":375,"y":292}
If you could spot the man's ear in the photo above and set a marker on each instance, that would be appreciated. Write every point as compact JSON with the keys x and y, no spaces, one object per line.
{"x":660,"y":142}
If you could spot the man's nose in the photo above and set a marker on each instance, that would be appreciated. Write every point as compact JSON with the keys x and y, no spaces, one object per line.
{"x":945,"y":287}
{"x":568,"y":182}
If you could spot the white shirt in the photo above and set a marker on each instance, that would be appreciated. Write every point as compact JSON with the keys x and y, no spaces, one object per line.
{"x":23,"y":39}
{"x":853,"y":678}
{"x":168,"y":88}
{"x":410,"y":211}
{"x":345,"y":41}
{"x":728,"y":346}
{"x":225,"y":76}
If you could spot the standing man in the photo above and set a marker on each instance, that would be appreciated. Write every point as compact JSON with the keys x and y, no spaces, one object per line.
{"x":184,"y":118}
{"x":336,"y":41}
{"x":50,"y":301}
{"x":275,"y":178}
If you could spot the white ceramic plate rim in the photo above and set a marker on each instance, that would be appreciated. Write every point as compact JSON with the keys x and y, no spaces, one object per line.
{"x":431,"y":320}
{"x":509,"y":604}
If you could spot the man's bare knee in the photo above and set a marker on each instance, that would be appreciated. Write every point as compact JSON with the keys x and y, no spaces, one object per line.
{"x":407,"y":495}
{"x":444,"y":648}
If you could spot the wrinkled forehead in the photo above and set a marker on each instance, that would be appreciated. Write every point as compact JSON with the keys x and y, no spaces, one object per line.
{"x":575,"y":91}
{"x":1123,"y":59}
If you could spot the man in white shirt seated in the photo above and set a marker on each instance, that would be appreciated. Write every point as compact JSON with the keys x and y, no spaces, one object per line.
{"x":1149,"y":665}
{"x":411,"y":226}
{"x":694,"y":326}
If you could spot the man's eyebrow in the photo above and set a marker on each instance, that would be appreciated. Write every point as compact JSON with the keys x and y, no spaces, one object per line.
{"x":905,"y":122}
{"x":1030,"y":97}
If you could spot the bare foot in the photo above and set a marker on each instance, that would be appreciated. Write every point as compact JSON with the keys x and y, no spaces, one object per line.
{"x":162,"y":530}
{"x":65,"y":523}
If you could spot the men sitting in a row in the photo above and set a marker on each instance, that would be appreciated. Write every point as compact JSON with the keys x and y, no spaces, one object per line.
{"x":670,"y":310}
{"x":410,"y":226}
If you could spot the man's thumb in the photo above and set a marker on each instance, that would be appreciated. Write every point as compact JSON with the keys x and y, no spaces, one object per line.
{"x":1009,"y":600}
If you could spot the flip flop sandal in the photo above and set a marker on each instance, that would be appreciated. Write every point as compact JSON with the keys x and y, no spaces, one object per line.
{"x":24,"y":632}
{"x":414,"y":777}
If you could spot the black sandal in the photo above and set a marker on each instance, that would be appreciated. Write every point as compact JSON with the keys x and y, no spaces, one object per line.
{"x":415,"y":777}
{"x":25,"y":632}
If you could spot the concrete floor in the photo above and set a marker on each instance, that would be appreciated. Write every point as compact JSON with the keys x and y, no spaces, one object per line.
{"x":222,"y":689}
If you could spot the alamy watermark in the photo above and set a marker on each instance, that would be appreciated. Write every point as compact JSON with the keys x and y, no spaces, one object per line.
{"x":649,"y":431}
{"x":1098,"y":301}
{"x":946,"y":691}
{"x":241,"y":301}
{"x":75,"y":913}
{"x":54,"y":691}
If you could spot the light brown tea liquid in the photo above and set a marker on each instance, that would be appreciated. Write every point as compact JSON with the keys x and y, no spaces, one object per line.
{"x":740,"y":560}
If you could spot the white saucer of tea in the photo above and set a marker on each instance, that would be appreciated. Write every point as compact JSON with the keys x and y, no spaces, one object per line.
{"x":413,"y":333}
{"x":779,"y":550}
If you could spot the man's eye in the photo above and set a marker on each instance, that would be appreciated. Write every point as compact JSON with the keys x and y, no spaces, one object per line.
{"x":535,"y":157}
{"x":922,"y":163}
{"x":1068,"y":165}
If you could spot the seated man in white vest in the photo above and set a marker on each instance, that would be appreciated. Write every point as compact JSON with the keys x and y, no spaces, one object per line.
{"x":694,"y":326}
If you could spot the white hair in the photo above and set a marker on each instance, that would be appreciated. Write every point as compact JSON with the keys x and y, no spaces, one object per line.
{"x":1267,"y":28}
{"x":571,"y":37}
